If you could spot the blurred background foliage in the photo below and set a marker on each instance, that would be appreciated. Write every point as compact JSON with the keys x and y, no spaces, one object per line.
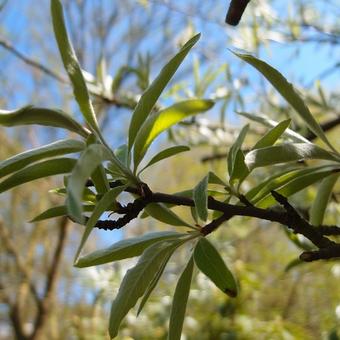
{"x":121,"y":45}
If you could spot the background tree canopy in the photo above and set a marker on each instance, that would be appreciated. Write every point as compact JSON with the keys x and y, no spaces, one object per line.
{"x":156,"y":181}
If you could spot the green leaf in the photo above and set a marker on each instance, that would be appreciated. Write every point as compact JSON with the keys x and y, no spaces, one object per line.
{"x":124,"y":249}
{"x":288,"y":92}
{"x":280,"y":179}
{"x":122,"y":153}
{"x":43,"y":169}
{"x":30,"y":115}
{"x":235,"y":148}
{"x":88,"y":194}
{"x":98,"y":176}
{"x":137,"y":280}
{"x":72,"y":67}
{"x":210,"y":262}
{"x":174,"y":150}
{"x":57,"y":211}
{"x":200,"y":198}
{"x":285,"y":153}
{"x":321,"y":200}
{"x":154,"y":282}
{"x":89,"y":160}
{"x":293,"y":264}
{"x":108,"y":200}
{"x":160,"y":212}
{"x":272,"y":135}
{"x":58,"y":148}
{"x":158,"y":122}
{"x":152,"y":93}
{"x":266,"y":121}
{"x":295,"y":186}
{"x":179,"y":303}
{"x":214,"y":179}
{"x":240,"y":169}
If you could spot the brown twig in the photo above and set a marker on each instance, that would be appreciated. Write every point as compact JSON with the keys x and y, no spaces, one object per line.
{"x":288,"y":217}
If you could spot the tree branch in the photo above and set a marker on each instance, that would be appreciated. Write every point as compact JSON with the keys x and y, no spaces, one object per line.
{"x":288,"y":217}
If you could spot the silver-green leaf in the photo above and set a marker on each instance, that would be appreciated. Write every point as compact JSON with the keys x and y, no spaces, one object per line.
{"x":30,"y":115}
{"x":287,"y":91}
{"x":137,"y":280}
{"x":124,"y":249}
{"x":23,"y":159}
{"x":179,"y":303}
{"x":43,"y":169}
{"x":210,"y":262}
{"x":152,"y":93}
{"x":200,"y":198}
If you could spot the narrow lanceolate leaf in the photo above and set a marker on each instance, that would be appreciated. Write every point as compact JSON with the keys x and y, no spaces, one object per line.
{"x":160,"y":121}
{"x":152,"y":93}
{"x":30,"y":115}
{"x":282,"y":178}
{"x":295,"y":186}
{"x":98,"y":176}
{"x":200,"y":198}
{"x":58,"y":148}
{"x":72,"y":66}
{"x":58,"y":211}
{"x":235,"y":148}
{"x":319,"y":206}
{"x":285,"y":153}
{"x":210,"y":262}
{"x":272,"y":135}
{"x":125,"y":249}
{"x":174,"y":150}
{"x":287,"y":91}
{"x":136,"y":282}
{"x":266,"y":121}
{"x":179,"y":303}
{"x":154,"y":282}
{"x":38,"y":170}
{"x":162,"y":213}
{"x":107,"y":201}
{"x":90,"y":159}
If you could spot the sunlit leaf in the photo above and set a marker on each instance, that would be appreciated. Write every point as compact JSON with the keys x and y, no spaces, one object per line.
{"x":30,"y":115}
{"x":179,"y":303}
{"x":272,"y":135}
{"x":107,"y":201}
{"x":160,"y":121}
{"x":174,"y":150}
{"x":71,"y":65}
{"x":295,"y":186}
{"x":43,"y":169}
{"x":210,"y":262}
{"x":200,"y":198}
{"x":285,"y":153}
{"x":321,"y":200}
{"x":266,"y":121}
{"x":288,"y":92}
{"x":280,"y":179}
{"x":137,"y":280}
{"x":124,"y":249}
{"x":58,"y":148}
{"x":152,"y":93}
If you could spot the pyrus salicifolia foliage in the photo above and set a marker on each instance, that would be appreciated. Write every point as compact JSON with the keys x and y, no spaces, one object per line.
{"x":113,"y":171}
